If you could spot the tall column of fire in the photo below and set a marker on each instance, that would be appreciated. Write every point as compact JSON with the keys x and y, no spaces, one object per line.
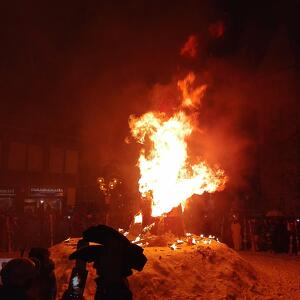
{"x":166,"y":174}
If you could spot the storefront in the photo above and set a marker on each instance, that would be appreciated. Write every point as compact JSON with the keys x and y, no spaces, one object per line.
{"x":7,"y":199}
{"x":45,"y":199}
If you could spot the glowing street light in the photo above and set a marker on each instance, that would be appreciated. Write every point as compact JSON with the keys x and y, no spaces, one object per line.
{"x":106,"y":187}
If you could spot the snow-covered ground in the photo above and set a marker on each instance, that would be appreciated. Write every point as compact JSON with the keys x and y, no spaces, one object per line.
{"x":201,"y":271}
{"x":282,"y":272}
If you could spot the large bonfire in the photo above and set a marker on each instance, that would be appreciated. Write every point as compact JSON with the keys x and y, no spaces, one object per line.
{"x":168,"y":177}
{"x":189,"y":267}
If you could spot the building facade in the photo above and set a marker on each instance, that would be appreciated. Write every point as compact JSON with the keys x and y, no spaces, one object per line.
{"x":38,"y":170}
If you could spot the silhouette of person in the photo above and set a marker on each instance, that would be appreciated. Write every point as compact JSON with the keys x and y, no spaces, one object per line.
{"x":236,"y":235}
{"x":17,"y":277}
{"x":113,"y":261}
{"x":45,"y":282}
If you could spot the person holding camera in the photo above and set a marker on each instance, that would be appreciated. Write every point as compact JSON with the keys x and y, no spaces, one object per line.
{"x":113,"y":260}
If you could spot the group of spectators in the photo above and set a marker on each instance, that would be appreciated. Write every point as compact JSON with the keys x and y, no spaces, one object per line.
{"x":276,"y":234}
{"x":45,"y":226}
{"x":29,"y":278}
{"x":113,"y":255}
{"x":21,"y":230}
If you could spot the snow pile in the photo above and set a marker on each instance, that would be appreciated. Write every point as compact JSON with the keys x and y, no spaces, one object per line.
{"x":194,"y":272}
{"x":200,"y":271}
{"x":63,"y":268}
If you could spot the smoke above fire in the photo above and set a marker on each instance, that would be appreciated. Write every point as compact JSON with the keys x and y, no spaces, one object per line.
{"x":227,"y":112}
{"x":168,"y":176}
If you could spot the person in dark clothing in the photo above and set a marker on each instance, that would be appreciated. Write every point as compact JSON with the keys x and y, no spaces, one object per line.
{"x":44,"y":286}
{"x":113,"y":261}
{"x":17,"y":277}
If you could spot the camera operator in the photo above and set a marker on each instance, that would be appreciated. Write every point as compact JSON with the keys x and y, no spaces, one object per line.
{"x":113,"y":261}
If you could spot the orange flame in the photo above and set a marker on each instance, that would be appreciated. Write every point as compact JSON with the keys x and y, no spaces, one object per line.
{"x":189,"y":48}
{"x":191,"y":97}
{"x":138,"y":218}
{"x":167,"y":176}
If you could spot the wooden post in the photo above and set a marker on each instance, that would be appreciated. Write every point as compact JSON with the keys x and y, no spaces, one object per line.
{"x":297,"y":237}
{"x":8,"y":230}
{"x":252,"y":237}
{"x":51,"y":229}
{"x":291,"y":232}
{"x":222,"y":230}
{"x":245,"y":234}
{"x":107,"y":213}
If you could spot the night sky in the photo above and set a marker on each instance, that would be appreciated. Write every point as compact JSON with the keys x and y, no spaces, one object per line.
{"x":82,"y":67}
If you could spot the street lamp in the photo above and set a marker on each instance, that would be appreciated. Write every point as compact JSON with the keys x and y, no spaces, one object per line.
{"x":106,"y":187}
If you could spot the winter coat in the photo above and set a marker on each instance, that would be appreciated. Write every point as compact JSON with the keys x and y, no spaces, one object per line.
{"x":44,"y":286}
{"x":113,"y":291}
{"x":13,"y":293}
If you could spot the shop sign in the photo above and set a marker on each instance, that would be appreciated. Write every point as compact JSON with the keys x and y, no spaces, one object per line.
{"x":7,"y":192}
{"x":46,"y":192}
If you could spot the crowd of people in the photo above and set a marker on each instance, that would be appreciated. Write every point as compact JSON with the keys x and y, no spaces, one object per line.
{"x":29,"y":278}
{"x":18,"y":232}
{"x":276,"y":234}
{"x":33,"y":277}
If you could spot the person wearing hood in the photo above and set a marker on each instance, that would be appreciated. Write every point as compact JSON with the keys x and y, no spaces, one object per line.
{"x":44,"y":286}
{"x":113,"y":260}
{"x":17,"y":277}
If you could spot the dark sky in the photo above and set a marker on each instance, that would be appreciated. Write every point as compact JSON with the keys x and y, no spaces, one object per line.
{"x":85,"y":66}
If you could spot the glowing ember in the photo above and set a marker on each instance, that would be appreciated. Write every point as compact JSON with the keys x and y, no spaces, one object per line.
{"x":207,"y":242}
{"x":138,"y":218}
{"x":167,"y":176}
{"x":173,"y":247}
{"x":148,"y":228}
{"x":138,"y":238}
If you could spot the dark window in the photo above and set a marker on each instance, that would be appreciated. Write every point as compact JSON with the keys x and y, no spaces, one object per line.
{"x":71,"y":163}
{"x":1,"y":161}
{"x":17,"y":156}
{"x":56,"y":160}
{"x":35,"y":158}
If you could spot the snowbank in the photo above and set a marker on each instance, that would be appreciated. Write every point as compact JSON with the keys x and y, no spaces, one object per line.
{"x":198,"y":271}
